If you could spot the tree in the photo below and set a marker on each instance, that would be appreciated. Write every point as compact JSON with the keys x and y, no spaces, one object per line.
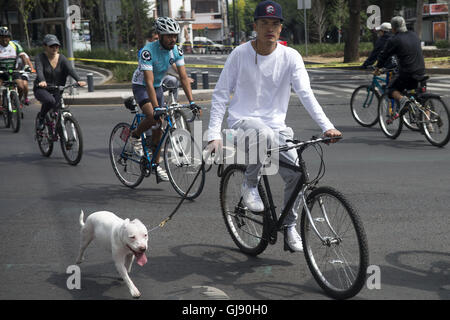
{"x":448,"y":21}
{"x":25,"y":7}
{"x":318,"y":11}
{"x":338,"y":15}
{"x":351,"y":48}
{"x":419,"y":10}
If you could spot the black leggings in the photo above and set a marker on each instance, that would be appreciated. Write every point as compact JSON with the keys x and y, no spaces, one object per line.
{"x":49,"y":100}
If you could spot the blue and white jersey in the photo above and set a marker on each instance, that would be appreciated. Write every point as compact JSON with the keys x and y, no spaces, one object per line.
{"x":154,"y":57}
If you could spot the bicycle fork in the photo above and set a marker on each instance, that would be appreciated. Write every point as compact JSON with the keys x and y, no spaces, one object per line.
{"x":327,"y":241}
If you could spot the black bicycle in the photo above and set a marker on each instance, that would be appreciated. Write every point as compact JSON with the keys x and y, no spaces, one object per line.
{"x":60,"y":124}
{"x":11,"y":108}
{"x":333,"y":236}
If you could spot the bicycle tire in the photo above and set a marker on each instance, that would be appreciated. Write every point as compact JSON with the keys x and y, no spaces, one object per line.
{"x":5,"y":112}
{"x":125,"y":164}
{"x":385,"y":112}
{"x":351,"y":277}
{"x":363,"y":105}
{"x":436,"y":128}
{"x":72,"y":148}
{"x":15,"y":116}
{"x":44,"y":139}
{"x":183,"y":159}
{"x":249,"y":231}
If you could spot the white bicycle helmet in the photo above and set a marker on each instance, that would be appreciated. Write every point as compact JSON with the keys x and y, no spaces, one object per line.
{"x":166,"y":25}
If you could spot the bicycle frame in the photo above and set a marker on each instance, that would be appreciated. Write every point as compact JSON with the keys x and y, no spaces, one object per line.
{"x":301,"y":188}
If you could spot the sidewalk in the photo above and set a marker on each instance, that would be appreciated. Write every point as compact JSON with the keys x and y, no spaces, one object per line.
{"x":110,"y":96}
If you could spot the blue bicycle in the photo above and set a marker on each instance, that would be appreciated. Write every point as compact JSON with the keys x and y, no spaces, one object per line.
{"x":365,"y":99}
{"x":182,"y":156}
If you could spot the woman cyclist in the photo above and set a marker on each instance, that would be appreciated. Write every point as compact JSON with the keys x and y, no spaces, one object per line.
{"x":52,"y":69}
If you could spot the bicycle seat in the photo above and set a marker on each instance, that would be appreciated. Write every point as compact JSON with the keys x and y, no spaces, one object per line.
{"x":169,"y":88}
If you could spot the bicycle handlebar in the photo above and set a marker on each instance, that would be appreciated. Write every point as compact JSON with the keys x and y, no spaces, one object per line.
{"x":298,"y":143}
{"x":62,"y":88}
{"x":158,"y":112}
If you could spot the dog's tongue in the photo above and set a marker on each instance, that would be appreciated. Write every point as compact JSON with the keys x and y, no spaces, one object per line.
{"x":141,"y":259}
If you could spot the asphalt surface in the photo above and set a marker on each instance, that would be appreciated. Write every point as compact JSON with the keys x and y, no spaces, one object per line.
{"x":400,"y":189}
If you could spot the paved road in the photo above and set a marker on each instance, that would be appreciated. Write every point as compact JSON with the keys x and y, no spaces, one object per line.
{"x":399,"y":187}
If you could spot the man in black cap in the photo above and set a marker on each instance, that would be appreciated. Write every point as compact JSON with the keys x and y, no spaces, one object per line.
{"x":259,"y":75}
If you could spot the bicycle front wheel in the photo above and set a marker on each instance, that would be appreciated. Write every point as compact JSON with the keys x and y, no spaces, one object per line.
{"x":389,"y":124}
{"x":435,"y":121}
{"x":126,"y":165}
{"x":44,"y":138}
{"x":71,"y":140}
{"x":338,"y":262}
{"x":183,"y":162}
{"x":249,"y":231}
{"x":14,"y":115}
{"x":364,"y":104}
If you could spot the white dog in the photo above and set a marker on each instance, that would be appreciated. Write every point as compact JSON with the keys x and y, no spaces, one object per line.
{"x":125,"y":239}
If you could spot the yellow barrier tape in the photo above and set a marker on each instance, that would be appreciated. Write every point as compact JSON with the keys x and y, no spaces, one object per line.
{"x":220,"y":66}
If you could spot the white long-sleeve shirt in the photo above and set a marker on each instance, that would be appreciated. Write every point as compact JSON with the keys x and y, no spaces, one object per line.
{"x":262,"y":90}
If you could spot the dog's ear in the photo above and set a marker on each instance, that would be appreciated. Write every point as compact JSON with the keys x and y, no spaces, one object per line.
{"x":126,"y":221}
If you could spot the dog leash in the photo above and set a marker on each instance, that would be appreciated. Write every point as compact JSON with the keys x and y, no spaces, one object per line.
{"x":163,"y":223}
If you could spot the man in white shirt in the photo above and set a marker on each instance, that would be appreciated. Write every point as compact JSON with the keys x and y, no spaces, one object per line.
{"x":259,"y":75}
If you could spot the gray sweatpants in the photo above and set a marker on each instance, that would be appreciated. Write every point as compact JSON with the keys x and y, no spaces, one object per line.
{"x":274,"y":138}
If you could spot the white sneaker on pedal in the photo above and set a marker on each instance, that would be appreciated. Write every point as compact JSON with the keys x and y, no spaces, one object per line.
{"x":251,"y":198}
{"x":137,"y":145}
{"x":162,"y":174}
{"x":293,"y":239}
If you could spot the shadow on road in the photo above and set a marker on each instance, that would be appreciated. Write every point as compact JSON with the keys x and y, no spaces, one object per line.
{"x":420,"y":270}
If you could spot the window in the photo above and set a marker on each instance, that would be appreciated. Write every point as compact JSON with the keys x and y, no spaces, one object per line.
{"x":205,"y":6}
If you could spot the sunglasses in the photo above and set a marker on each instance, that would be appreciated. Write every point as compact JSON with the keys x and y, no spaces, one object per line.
{"x":53,"y":46}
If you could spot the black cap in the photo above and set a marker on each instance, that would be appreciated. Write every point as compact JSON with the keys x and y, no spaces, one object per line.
{"x":268,"y":9}
{"x":51,"y":39}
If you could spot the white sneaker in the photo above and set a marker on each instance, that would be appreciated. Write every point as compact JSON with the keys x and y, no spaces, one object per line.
{"x":162,"y":174}
{"x":251,"y":198}
{"x":292,"y":240}
{"x":137,"y":145}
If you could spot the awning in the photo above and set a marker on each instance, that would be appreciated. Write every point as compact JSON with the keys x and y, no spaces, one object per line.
{"x":201,"y":26}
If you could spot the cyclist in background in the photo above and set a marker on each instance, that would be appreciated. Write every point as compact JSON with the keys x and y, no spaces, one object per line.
{"x":259,"y":75}
{"x":52,"y":69}
{"x":22,"y":62}
{"x":405,"y":45}
{"x":384,"y":34}
{"x":154,"y":61}
{"x":9,"y":53}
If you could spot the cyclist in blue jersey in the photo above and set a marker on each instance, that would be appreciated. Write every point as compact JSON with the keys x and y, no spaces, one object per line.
{"x":155,"y":58}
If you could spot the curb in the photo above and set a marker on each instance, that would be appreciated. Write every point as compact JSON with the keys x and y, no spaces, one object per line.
{"x":200,"y":97}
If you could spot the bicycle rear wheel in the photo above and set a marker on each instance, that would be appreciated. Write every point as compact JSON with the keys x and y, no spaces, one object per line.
{"x":364,"y":104}
{"x":125,"y":163}
{"x":72,"y":144}
{"x":183,"y":160}
{"x":435,"y":122}
{"x":338,"y":264}
{"x":44,"y":138}
{"x":15,"y":114}
{"x":390,"y":126}
{"x":249,"y":231}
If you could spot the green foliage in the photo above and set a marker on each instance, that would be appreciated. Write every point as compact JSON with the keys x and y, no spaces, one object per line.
{"x":331,"y":49}
{"x":442,"y":44}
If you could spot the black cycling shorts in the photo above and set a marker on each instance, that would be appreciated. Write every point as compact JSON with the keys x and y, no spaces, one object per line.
{"x":403,"y":81}
{"x":141,"y":95}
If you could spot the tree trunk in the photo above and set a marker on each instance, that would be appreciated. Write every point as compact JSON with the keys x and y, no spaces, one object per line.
{"x":419,"y":15}
{"x":351,"y":48}
{"x":387,"y":10}
{"x":448,"y":21}
{"x":137,"y":20}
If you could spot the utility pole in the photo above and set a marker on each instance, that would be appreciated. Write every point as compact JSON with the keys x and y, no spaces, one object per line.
{"x":67,"y":25}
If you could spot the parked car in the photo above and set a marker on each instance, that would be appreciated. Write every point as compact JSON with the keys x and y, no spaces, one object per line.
{"x":203,"y":44}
